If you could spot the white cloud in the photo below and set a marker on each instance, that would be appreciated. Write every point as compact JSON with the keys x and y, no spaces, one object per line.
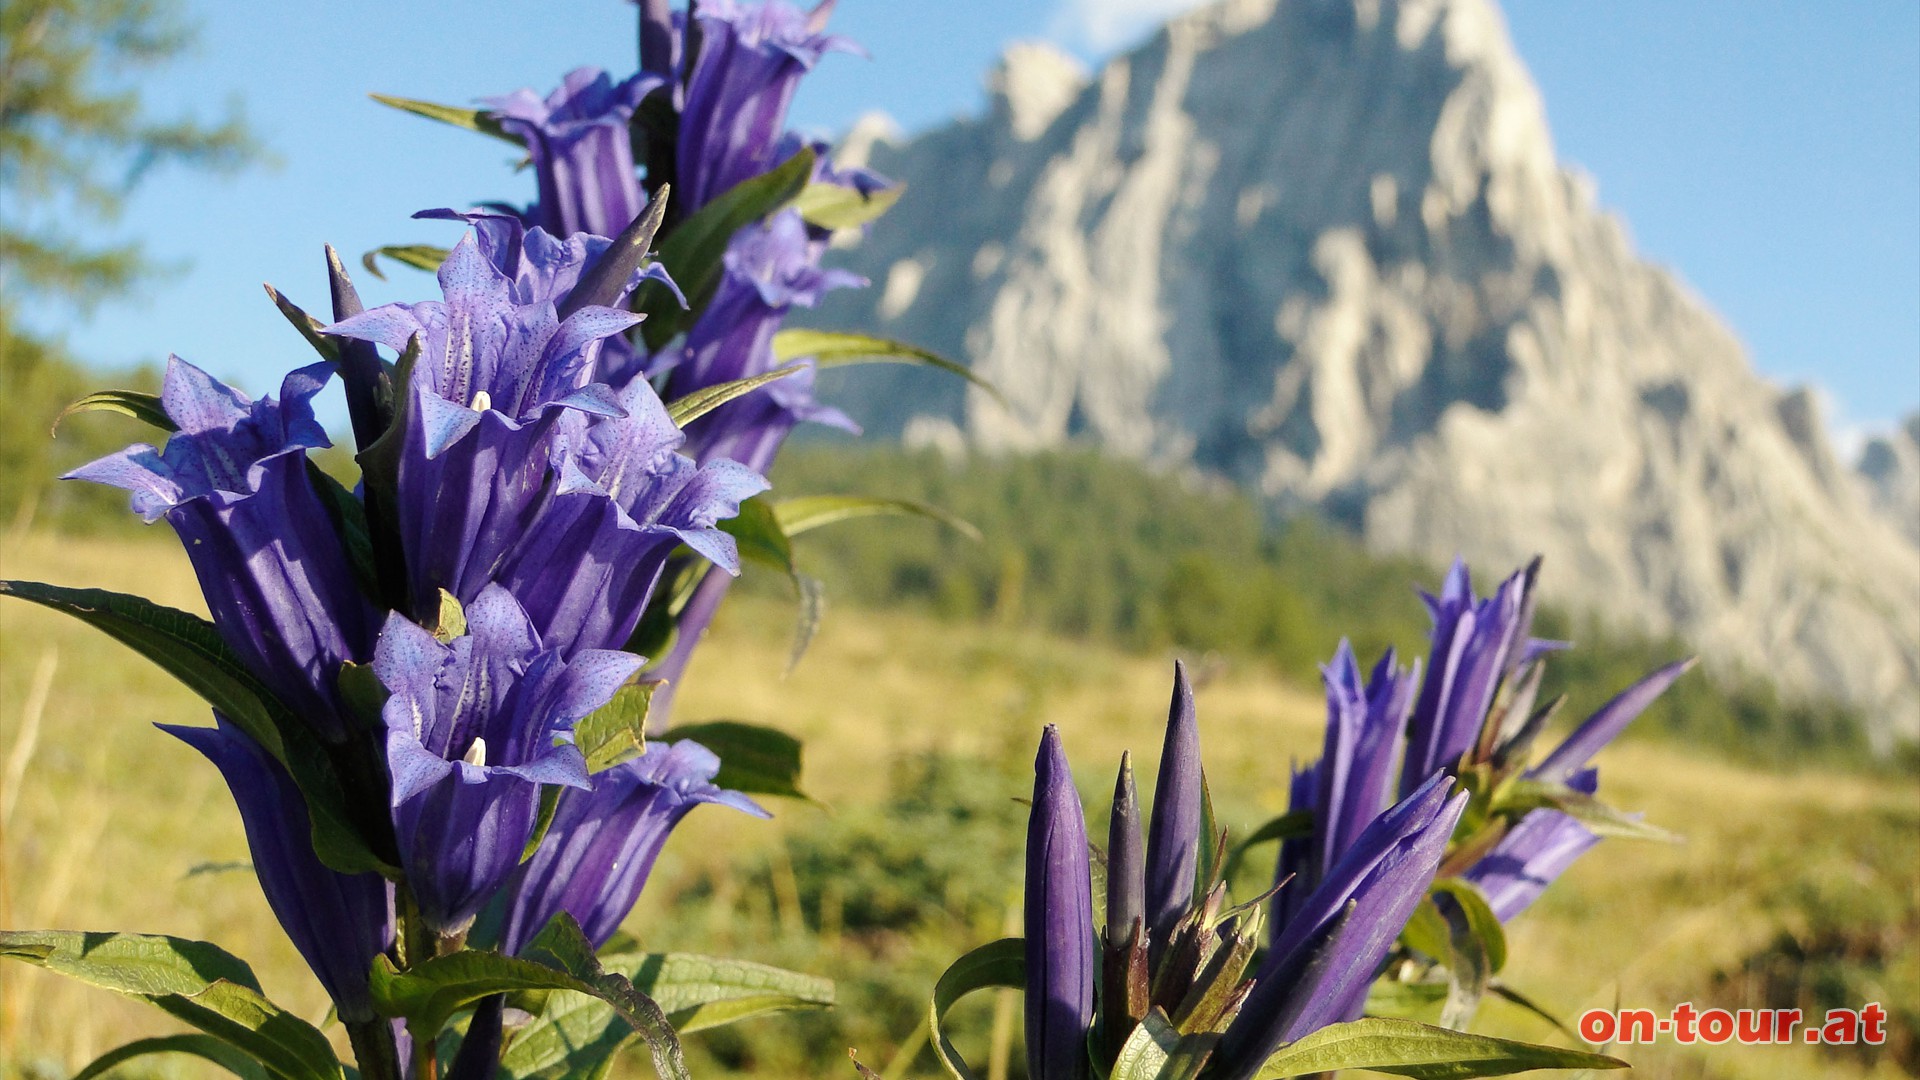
{"x":1104,"y":25}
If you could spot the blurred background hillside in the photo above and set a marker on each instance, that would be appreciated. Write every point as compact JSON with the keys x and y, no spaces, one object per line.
{"x":1258,"y":395}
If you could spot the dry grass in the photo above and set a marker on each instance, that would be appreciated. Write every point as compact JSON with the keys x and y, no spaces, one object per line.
{"x":112,"y":817}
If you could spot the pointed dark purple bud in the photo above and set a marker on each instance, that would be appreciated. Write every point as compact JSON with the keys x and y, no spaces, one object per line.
{"x":479,"y":1055}
{"x":1173,"y":838}
{"x":1612,"y":718}
{"x":1126,"y":870}
{"x":1318,"y":969}
{"x":608,"y":279}
{"x":1059,"y":921}
{"x":360,"y":368}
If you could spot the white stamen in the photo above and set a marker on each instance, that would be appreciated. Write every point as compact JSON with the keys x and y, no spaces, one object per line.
{"x":477,"y":753}
{"x":482,"y":402}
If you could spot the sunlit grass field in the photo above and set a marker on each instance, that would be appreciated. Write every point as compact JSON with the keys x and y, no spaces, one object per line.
{"x":1804,"y":884}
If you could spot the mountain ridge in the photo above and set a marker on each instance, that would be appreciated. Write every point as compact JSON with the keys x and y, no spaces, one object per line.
{"x":1324,"y":248}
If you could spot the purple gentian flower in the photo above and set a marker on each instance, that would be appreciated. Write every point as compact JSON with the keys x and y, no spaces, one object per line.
{"x":603,"y":843}
{"x":475,"y":727}
{"x":1059,"y":921}
{"x":624,"y":501}
{"x":538,"y":459}
{"x":338,"y":922}
{"x":750,"y":61}
{"x":233,"y":483}
{"x":582,"y":155}
{"x":1476,"y":644}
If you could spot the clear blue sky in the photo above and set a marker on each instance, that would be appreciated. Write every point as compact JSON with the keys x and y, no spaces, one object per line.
{"x":1770,"y":152}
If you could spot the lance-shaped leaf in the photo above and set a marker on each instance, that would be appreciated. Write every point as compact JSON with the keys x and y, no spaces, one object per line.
{"x":419,"y":256}
{"x":428,"y":994}
{"x":200,"y":984}
{"x":1407,"y":1048}
{"x":998,"y":964}
{"x":832,"y":348}
{"x":1288,"y":826}
{"x":804,"y":513}
{"x":307,"y":325}
{"x":140,"y":405}
{"x":1148,"y":1050}
{"x":188,"y":648}
{"x":200,"y":1046}
{"x":1521,"y":795}
{"x":471,"y":119}
{"x":754,"y":759}
{"x":692,"y":253}
{"x":684,"y":411}
{"x":839,"y":206}
{"x":576,"y":1035}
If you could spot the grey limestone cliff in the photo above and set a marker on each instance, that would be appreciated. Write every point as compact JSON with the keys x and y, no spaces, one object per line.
{"x":1325,"y":248}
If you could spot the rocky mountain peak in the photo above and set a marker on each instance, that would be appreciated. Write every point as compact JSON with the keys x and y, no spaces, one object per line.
{"x":1324,"y":248}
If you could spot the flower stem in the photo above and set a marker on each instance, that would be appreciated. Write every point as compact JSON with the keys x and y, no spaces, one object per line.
{"x":373,"y":1049}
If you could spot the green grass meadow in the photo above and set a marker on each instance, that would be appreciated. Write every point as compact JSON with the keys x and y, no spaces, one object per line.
{"x":1795,"y":886}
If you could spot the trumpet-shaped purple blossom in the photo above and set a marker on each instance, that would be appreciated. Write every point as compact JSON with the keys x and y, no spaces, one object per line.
{"x":603,"y":842}
{"x":475,"y":727}
{"x":749,"y":64}
{"x":581,"y":153}
{"x":1538,"y":849}
{"x":338,"y":922}
{"x":233,"y":482}
{"x":512,"y":455}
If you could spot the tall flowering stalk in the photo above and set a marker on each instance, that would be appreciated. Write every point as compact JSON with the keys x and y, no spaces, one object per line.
{"x":1174,"y":983}
{"x":427,"y":683}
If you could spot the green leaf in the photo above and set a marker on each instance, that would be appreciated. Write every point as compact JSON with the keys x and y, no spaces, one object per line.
{"x":758,"y":533}
{"x":692,"y":252}
{"x":836,"y":206}
{"x":700,"y":992}
{"x":1408,"y":1048}
{"x":203,"y":1046}
{"x":309,"y":327}
{"x":201,"y":984}
{"x":617,"y":731}
{"x":1147,"y":1051}
{"x":543,"y":820}
{"x":1468,"y":966}
{"x":804,"y":513}
{"x":1480,"y":917}
{"x":188,"y":648}
{"x":811,"y":610}
{"x":471,"y":119}
{"x":419,"y":256}
{"x":1001,"y":963}
{"x":143,"y":407}
{"x":574,"y":1035}
{"x":831,"y":348}
{"x":754,"y":759}
{"x":1519,"y":796}
{"x":430,"y":993}
{"x":684,"y":411}
{"x":1405,"y":1000}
